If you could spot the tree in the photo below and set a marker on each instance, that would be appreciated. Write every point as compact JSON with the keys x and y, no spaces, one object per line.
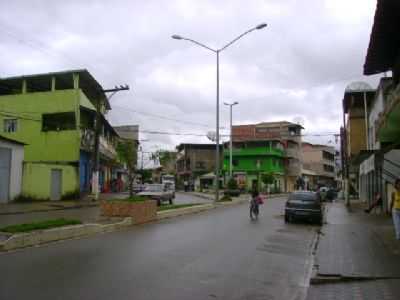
{"x":232,"y":184}
{"x":127,"y":153}
{"x":268,"y":178}
{"x":165,"y":158}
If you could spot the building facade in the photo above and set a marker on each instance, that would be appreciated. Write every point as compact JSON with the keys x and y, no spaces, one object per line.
{"x":320,"y":159}
{"x":252,"y":159}
{"x":285,"y":140}
{"x":358,"y":97}
{"x":194,"y":160}
{"x":382,"y":166}
{"x":54,"y":114}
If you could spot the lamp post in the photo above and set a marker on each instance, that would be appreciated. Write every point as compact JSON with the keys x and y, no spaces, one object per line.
{"x":217,"y":51}
{"x":230,"y":142}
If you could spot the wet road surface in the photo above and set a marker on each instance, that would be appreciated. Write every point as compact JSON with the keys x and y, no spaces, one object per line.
{"x":218,"y":254}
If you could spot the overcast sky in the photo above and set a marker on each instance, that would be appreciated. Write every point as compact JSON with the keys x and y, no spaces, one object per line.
{"x":295,"y":69}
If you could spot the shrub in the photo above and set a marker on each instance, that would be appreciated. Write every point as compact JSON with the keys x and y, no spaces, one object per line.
{"x":74,"y":195}
{"x":225,"y":198}
{"x":267,"y":179}
{"x":29,"y":199}
{"x":232,"y":184}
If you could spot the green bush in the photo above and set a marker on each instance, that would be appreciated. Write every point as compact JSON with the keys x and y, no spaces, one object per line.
{"x":29,"y":199}
{"x":267,"y":179}
{"x":74,"y":195}
{"x":225,"y":198}
{"x":232,"y":184}
{"x":41,"y":225}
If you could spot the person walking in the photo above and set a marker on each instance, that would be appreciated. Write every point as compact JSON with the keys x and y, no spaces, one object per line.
{"x":395,"y":208}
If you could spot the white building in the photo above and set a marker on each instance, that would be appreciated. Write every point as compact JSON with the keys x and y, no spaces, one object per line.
{"x":11,"y":160}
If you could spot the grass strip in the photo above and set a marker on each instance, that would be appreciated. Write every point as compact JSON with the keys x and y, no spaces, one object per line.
{"x":40,"y":225}
{"x":176,"y":206}
{"x":130,"y":199}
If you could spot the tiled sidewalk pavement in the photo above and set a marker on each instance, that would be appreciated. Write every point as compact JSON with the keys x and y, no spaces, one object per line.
{"x":362,"y":290}
{"x":357,"y":244}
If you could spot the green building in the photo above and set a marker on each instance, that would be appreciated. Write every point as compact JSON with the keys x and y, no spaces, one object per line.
{"x":252,"y":159}
{"x":54,"y":114}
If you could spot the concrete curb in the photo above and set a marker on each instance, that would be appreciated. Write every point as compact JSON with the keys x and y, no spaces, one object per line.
{"x":29,"y":239}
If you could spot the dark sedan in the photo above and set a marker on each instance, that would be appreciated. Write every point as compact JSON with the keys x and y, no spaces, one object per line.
{"x":303,"y":205}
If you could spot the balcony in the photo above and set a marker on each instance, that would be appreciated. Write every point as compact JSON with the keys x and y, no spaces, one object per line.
{"x":387,"y":124}
{"x":255,"y":152}
{"x":87,"y":139}
{"x":106,"y":148}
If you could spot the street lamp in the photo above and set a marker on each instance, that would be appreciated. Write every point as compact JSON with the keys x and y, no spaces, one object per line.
{"x":230,"y":142}
{"x":217,"y":51}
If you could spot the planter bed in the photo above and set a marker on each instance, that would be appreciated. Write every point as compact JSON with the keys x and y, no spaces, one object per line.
{"x":141,"y":211}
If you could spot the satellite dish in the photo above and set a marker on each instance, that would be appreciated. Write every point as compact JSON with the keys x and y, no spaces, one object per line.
{"x":212,"y":136}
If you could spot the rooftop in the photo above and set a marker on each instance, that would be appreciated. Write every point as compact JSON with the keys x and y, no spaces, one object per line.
{"x":384,"y":43}
{"x":64,"y":80}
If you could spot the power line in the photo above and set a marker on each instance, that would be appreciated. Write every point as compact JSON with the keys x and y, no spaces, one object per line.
{"x":163,"y":117}
{"x":156,"y":132}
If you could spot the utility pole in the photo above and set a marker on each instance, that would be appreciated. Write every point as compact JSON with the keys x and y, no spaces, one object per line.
{"x":231,"y":137}
{"x":98,"y":125}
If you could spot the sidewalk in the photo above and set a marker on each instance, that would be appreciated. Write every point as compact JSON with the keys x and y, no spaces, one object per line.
{"x":358,"y":254}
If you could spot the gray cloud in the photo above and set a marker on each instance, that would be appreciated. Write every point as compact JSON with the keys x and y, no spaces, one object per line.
{"x":297,"y":67}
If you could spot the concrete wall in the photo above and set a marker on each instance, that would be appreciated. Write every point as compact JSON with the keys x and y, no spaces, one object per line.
{"x":37,"y":179}
{"x":28,"y":109}
{"x":356,"y":134}
{"x":17,"y":158}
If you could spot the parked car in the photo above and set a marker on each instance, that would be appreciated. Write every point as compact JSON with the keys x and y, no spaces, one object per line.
{"x":331,"y":194}
{"x":171,"y":188}
{"x":137,"y":188}
{"x":304,"y":205}
{"x":159,"y":192}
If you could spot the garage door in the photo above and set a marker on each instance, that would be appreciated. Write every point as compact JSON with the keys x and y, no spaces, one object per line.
{"x":5,"y":167}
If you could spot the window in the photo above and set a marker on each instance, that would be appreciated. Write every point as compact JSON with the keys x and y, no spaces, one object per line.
{"x":58,"y":121}
{"x":200,"y":165}
{"x":10,"y":125}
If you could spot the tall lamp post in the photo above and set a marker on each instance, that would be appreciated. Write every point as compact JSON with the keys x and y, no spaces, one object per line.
{"x":217,"y":51}
{"x":230,"y":142}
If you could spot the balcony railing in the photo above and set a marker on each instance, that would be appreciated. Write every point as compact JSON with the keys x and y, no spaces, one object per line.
{"x":106,"y":148}
{"x":87,"y":139}
{"x":254,"y":152}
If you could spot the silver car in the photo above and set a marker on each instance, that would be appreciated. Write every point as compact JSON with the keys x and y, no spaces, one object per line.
{"x":158,"y":192}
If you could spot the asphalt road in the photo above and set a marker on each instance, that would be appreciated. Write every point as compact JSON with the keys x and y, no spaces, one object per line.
{"x":87,"y":214}
{"x":218,"y":254}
